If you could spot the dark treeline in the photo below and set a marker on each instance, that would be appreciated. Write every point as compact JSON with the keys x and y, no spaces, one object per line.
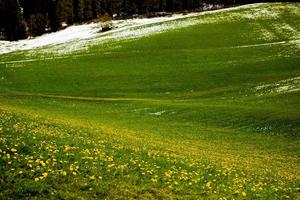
{"x":22,"y":18}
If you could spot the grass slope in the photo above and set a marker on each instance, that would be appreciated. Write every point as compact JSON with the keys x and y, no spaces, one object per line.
{"x":206,"y":111}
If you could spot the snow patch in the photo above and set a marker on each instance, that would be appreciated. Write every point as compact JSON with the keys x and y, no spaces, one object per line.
{"x":286,"y":29}
{"x":260,"y":13}
{"x":263,"y":44}
{"x":158,"y":113}
{"x":280,"y":87}
{"x":69,"y":34}
{"x":141,"y":109}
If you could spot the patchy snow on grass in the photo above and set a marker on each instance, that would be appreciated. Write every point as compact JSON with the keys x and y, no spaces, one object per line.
{"x":287,"y":30}
{"x":141,"y":109}
{"x":79,"y":37}
{"x":158,"y":113}
{"x":262,"y":44}
{"x":280,"y":87}
{"x":296,"y":42}
{"x":266,"y":34}
{"x":259,"y":13}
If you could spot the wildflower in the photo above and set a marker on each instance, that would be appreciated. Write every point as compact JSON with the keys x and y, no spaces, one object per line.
{"x":208,"y":184}
{"x":45,"y":174}
{"x":154,"y":180}
{"x":92,"y":177}
{"x":13,"y":150}
{"x":168,"y":174}
{"x":67,"y":148}
{"x":244,"y":194}
{"x":42,"y":163}
{"x":36,"y":179}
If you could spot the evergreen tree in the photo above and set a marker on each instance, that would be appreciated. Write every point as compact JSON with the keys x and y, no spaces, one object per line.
{"x":78,"y":8}
{"x":13,"y":25}
{"x":38,"y":23}
{"x":96,"y":8}
{"x":87,"y":10}
{"x":170,"y":5}
{"x":64,"y":12}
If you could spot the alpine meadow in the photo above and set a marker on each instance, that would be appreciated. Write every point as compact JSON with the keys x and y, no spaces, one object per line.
{"x":201,"y":105}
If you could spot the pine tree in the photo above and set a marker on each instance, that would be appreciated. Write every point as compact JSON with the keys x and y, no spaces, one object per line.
{"x":170,"y":5}
{"x":87,"y":10}
{"x":64,"y":12}
{"x":78,"y":7}
{"x":38,"y":23}
{"x":13,"y":26}
{"x":96,"y":8}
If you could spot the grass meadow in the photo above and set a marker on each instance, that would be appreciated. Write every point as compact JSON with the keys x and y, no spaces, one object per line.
{"x":208,"y":111}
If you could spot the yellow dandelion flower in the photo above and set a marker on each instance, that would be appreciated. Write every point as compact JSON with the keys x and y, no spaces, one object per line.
{"x":168,"y":174}
{"x":42,"y":163}
{"x":154,"y":180}
{"x":13,"y":150}
{"x":45,"y":174}
{"x":208,"y":184}
{"x":36,"y":179}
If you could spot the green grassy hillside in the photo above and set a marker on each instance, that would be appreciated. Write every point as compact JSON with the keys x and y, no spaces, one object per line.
{"x":206,"y":111}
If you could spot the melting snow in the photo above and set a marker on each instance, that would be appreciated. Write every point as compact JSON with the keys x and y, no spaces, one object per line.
{"x":158,"y":113}
{"x":82,"y":34}
{"x":68,"y":34}
{"x":283,"y":86}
